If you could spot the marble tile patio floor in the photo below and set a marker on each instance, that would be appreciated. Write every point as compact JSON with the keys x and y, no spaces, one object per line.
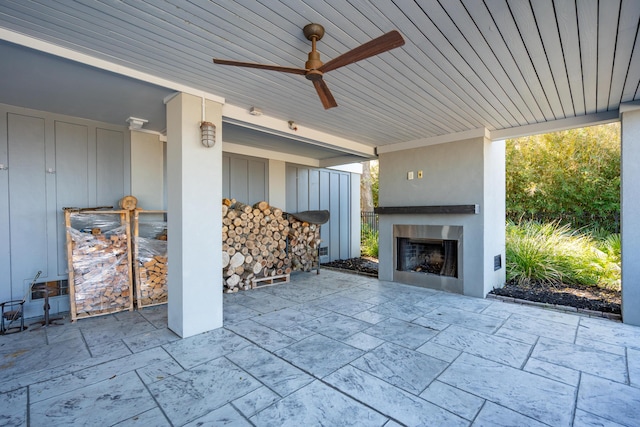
{"x":332,"y":349}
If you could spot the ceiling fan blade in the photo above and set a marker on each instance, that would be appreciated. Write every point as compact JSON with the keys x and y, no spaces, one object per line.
{"x":291,"y":70}
{"x":385,"y":42}
{"x":325,"y":94}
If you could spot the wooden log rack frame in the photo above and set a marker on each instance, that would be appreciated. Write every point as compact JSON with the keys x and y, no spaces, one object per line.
{"x":102,"y":289}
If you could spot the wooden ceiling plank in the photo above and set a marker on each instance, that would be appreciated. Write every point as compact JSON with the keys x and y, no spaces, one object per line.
{"x":545,"y":14}
{"x":523,"y":17}
{"x":449,"y":56}
{"x":588,"y":35}
{"x":568,"y":29}
{"x":492,"y":39}
{"x":465,"y":37}
{"x":425,"y":85}
{"x":444,"y":73}
{"x":510,"y":34}
{"x":608,"y":14}
{"x":627,"y":33}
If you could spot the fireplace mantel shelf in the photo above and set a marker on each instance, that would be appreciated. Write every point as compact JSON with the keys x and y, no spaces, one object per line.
{"x":443,"y":209}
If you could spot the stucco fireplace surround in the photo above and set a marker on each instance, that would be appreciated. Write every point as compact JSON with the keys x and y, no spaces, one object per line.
{"x":449,"y":194}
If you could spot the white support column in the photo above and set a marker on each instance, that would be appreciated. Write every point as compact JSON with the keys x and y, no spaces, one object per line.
{"x":194,"y":175}
{"x":630,"y":215}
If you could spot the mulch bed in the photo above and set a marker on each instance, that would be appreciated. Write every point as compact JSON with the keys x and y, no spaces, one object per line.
{"x":578,"y":296}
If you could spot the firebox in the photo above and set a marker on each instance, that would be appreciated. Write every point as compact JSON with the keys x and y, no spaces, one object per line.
{"x":429,"y":256}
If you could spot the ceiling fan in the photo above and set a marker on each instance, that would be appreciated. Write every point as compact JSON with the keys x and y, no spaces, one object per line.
{"x":314,"y":69}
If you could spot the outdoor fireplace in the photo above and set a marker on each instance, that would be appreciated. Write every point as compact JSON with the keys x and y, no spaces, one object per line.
{"x":429,"y":256}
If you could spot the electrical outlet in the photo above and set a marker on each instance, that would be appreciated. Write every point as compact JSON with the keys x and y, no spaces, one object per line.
{"x":419,"y":174}
{"x":410,"y":175}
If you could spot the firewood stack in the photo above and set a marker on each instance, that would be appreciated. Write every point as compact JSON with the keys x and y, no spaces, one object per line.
{"x":254,"y":243}
{"x":304,"y":240}
{"x":101,"y":276}
{"x":150,"y":257}
{"x":152,"y":278}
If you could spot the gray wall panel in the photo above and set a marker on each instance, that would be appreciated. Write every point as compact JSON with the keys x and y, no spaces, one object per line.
{"x":226,"y":180}
{"x":345,"y":229}
{"x":239,"y":179}
{"x":313,"y":189}
{"x":72,"y":177}
{"x":5,"y":240}
{"x":110,"y":174}
{"x":334,"y":221}
{"x":324,"y":205}
{"x":292,"y":189}
{"x":245,"y":178}
{"x":303,"y":189}
{"x":27,"y":200}
{"x":257,"y":174}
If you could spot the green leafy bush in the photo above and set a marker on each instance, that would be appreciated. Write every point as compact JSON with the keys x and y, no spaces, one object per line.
{"x":572,"y":176}
{"x":369,"y":241}
{"x":553,"y":253}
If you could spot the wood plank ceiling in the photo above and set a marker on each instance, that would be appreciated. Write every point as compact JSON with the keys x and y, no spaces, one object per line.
{"x":466,"y":64}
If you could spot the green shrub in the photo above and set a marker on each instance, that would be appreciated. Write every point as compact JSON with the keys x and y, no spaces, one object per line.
{"x":572,"y":176}
{"x":553,"y":253}
{"x":369,"y":242}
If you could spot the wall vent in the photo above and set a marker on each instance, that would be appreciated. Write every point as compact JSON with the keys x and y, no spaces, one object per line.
{"x":497,"y":262}
{"x":323,"y":251}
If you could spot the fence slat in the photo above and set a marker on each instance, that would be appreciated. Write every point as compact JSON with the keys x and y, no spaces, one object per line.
{"x":369,"y":221}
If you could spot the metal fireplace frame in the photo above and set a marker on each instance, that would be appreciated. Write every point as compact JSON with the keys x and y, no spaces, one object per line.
{"x":432,"y":281}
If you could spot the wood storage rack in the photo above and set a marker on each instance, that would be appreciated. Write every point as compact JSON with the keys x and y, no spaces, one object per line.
{"x":254,"y":244}
{"x":99,"y":259}
{"x":150,"y":258}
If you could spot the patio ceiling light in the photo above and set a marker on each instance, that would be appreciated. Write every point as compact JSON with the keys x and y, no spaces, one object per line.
{"x":208,"y":132}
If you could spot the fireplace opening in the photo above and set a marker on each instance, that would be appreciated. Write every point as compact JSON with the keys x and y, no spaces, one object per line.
{"x":428,"y":256}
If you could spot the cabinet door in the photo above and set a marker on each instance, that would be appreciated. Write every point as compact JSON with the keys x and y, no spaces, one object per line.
{"x":27,"y":200}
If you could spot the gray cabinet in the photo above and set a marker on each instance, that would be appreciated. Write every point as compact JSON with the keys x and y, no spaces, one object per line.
{"x":50,"y":162}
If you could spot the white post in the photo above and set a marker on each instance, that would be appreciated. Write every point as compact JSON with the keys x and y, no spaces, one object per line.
{"x":194,"y":175}
{"x":630,"y":214}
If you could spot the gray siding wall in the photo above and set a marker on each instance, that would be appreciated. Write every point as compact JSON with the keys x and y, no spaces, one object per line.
{"x":50,"y":162}
{"x":245,"y":178}
{"x":319,"y":189}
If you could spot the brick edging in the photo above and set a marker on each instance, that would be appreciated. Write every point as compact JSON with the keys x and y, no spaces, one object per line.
{"x":562,"y":308}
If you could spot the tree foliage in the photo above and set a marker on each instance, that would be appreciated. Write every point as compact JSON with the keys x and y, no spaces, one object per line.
{"x":572,"y":176}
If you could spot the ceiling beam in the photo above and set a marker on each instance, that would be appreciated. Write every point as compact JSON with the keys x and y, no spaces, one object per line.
{"x":441,"y":139}
{"x":301,"y":132}
{"x":557,"y":125}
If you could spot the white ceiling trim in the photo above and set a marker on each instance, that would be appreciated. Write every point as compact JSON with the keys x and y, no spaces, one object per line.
{"x":43,"y":46}
{"x":442,"y":139}
{"x":557,"y":125}
{"x":629,"y":106}
{"x":230,"y":147}
{"x":241,"y":117}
